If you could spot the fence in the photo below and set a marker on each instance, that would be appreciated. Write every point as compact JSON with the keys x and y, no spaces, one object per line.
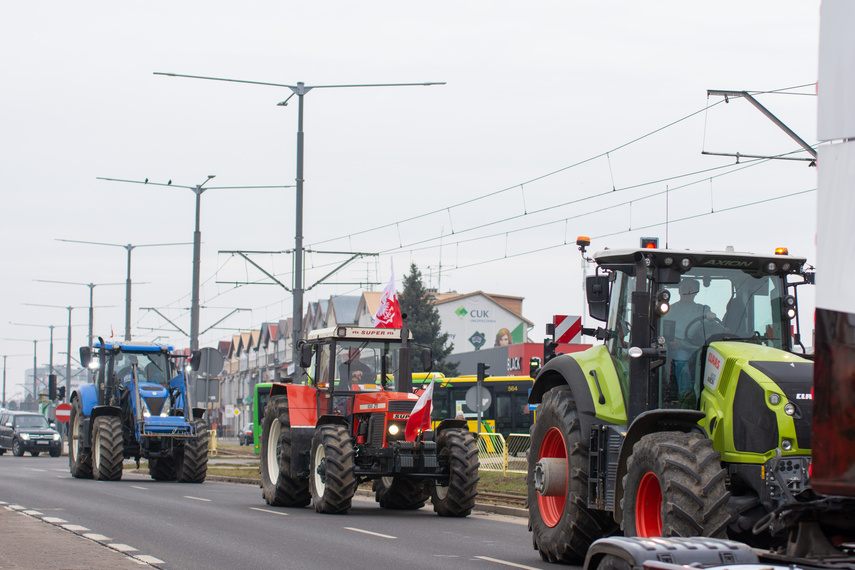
{"x":508,"y":456}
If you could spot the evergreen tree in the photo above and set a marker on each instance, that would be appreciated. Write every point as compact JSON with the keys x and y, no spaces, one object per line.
{"x":424,"y":322}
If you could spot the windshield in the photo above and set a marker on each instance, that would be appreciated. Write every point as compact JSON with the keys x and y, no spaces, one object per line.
{"x":360,"y":365}
{"x":39,"y":422}
{"x":151,"y":366}
{"x":714,"y":303}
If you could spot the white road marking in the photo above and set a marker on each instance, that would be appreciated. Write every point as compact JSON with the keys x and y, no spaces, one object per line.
{"x":74,"y":527}
{"x":60,"y":470}
{"x":122,"y":547}
{"x":137,"y":487}
{"x":369,"y":532}
{"x":54,"y":520}
{"x":3,"y":503}
{"x":197,"y":498}
{"x":15,"y":507}
{"x":97,"y":537}
{"x":268,"y":511}
{"x":33,"y":513}
{"x":148,"y":559}
{"x":505,"y":563}
{"x":39,"y":470}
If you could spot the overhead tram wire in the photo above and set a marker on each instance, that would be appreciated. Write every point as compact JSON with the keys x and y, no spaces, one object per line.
{"x":541,"y":177}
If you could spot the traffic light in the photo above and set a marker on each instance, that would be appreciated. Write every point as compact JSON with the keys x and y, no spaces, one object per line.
{"x":61,"y":392}
{"x":51,"y":387}
{"x":650,"y":242}
{"x":549,"y":347}
{"x":533,"y":366}
{"x":482,"y":371}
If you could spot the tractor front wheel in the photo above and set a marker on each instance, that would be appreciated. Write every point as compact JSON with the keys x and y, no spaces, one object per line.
{"x":107,"y":447}
{"x":191,"y":463}
{"x":79,"y":460}
{"x":162,"y":468}
{"x":562,"y":525}
{"x":456,"y":497}
{"x":278,"y":487}
{"x":333,"y":476}
{"x":675,"y":486}
{"x":399,"y":493}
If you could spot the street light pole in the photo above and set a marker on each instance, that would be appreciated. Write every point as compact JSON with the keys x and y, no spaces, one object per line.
{"x":129,"y":247}
{"x":91,"y":299}
{"x":197,"y":241}
{"x":68,"y":354}
{"x":299,"y":90}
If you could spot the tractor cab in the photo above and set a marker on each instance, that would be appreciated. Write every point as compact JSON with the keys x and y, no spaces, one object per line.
{"x":690,"y":300}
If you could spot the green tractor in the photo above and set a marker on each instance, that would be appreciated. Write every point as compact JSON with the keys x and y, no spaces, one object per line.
{"x":692,"y":418}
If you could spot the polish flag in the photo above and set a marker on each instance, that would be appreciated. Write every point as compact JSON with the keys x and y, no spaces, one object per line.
{"x":388,"y":315}
{"x":420,"y":416}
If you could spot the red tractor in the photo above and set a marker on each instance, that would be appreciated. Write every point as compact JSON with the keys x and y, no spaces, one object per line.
{"x":344,"y":424}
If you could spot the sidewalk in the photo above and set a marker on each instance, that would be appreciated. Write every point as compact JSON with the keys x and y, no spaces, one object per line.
{"x":29,"y":542}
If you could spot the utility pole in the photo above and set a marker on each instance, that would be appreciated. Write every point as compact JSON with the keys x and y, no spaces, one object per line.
{"x":68,"y":357}
{"x":91,"y":299}
{"x":197,"y":243}
{"x":129,"y":247}
{"x":300,"y":90}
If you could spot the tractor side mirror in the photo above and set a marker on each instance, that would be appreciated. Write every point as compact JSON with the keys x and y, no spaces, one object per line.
{"x":597,"y":291}
{"x":85,"y":356}
{"x":427,"y":359}
{"x":306,"y":355}
{"x":195,"y":360}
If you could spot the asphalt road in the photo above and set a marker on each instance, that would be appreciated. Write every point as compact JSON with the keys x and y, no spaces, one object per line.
{"x":222,"y":525}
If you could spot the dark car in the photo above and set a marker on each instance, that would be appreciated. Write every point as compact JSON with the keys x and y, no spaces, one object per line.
{"x":245,"y":435}
{"x":26,"y":431}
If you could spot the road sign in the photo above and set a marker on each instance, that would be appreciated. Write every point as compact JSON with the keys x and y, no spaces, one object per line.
{"x":566,"y":328}
{"x":472,"y":398}
{"x":63,"y":412}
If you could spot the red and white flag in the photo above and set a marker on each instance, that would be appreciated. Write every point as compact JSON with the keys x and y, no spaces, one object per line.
{"x":420,"y":416}
{"x":388,"y":315}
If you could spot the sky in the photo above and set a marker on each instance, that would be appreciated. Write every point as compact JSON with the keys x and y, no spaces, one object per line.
{"x":556,"y":119}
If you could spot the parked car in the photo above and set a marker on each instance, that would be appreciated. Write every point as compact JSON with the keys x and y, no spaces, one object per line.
{"x":245,"y":435}
{"x":25,"y":431}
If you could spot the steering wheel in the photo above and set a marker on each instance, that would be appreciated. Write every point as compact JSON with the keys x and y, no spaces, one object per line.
{"x":697,"y":336}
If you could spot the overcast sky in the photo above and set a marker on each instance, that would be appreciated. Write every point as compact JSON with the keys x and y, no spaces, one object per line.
{"x":512,"y":150}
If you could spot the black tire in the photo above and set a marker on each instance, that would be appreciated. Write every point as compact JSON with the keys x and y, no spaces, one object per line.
{"x":79,"y":459}
{"x":2,"y":451}
{"x":35,"y":453}
{"x":191,"y":462}
{"x":162,"y":469}
{"x":675,"y":486}
{"x":56,"y":452}
{"x":457,"y":448}
{"x":333,"y":474}
{"x":278,"y":487}
{"x":400,"y":493}
{"x":17,"y":448}
{"x":562,"y":527}
{"x":107,"y":447}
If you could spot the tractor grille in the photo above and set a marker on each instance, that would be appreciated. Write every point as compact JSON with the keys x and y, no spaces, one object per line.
{"x":376,"y":425}
{"x":755,"y":426}
{"x":796,"y":381}
{"x":401,"y":406}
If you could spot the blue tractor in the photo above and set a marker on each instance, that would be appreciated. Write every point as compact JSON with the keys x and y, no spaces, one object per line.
{"x":138,"y":407}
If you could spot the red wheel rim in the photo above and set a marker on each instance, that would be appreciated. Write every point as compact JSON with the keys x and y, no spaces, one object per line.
{"x":648,"y":507}
{"x":552,"y":446}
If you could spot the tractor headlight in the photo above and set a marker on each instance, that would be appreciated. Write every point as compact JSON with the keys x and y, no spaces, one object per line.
{"x":662,"y":299}
{"x":789,"y":307}
{"x":393,"y":429}
{"x":790,"y":409}
{"x":786,"y":445}
{"x":94,"y":364}
{"x":774,"y":399}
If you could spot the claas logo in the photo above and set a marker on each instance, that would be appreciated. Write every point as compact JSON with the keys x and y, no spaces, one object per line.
{"x":649,"y":242}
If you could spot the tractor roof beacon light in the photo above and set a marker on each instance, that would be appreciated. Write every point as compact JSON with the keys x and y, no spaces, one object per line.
{"x":650,"y":242}
{"x":782,"y":251}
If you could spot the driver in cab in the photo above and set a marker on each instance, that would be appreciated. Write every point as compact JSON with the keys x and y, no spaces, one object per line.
{"x":679,"y":326}
{"x":353,"y":371}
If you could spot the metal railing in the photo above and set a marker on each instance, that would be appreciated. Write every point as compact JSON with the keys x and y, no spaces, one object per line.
{"x":507,"y":456}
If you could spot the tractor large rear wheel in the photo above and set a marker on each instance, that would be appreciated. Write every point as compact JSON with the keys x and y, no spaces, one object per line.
{"x":333,"y":475}
{"x":278,"y":487}
{"x":675,"y":486}
{"x":107,"y":447}
{"x":562,"y":525}
{"x":399,"y":493}
{"x":191,"y":463}
{"x":456,"y":497}
{"x":79,"y":460}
